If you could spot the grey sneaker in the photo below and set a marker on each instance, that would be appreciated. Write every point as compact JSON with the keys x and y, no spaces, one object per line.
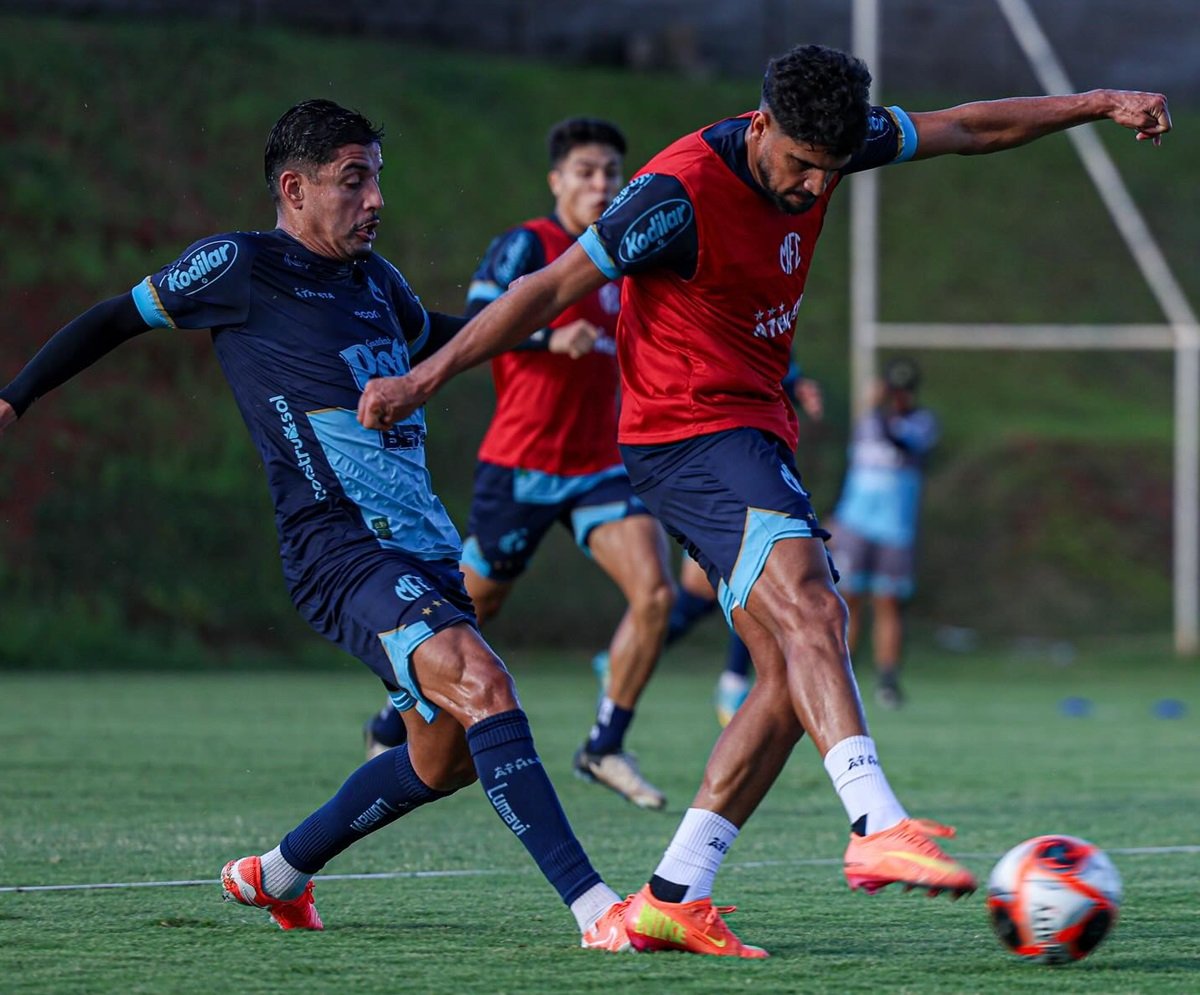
{"x":619,"y":771}
{"x":888,"y":693}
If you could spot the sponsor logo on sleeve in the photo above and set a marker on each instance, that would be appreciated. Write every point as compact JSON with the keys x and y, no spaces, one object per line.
{"x":632,"y":187}
{"x":654,"y":229}
{"x":201,"y":268}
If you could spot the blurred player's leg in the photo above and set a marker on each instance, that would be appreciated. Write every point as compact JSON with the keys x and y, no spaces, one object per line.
{"x":694,"y":600}
{"x":383,"y":731}
{"x":734,"y":683}
{"x":887,"y":636}
{"x":633,"y":552}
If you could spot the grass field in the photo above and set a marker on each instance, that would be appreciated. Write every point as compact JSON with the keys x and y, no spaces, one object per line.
{"x":136,"y":778}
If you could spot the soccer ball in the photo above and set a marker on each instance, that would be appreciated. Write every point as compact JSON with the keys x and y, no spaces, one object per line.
{"x":1052,"y":899}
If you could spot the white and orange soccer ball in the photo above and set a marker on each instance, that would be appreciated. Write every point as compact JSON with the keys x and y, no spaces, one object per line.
{"x":1053,"y":899}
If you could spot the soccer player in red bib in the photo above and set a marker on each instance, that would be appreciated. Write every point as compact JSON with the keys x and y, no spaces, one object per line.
{"x":714,"y":238}
{"x":550,"y":454}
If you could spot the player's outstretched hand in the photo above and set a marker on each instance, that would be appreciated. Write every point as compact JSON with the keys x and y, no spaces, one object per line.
{"x":7,"y":415}
{"x":575,"y":339}
{"x":387,"y":400}
{"x":1145,"y":113}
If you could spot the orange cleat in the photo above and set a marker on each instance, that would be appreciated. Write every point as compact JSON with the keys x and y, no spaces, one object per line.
{"x":693,"y":927}
{"x":241,"y":881}
{"x":609,"y":931}
{"x":906,"y":855}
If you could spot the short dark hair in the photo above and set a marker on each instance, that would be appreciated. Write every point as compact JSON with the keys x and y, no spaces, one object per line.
{"x":308,"y":135}
{"x":576,"y":131}
{"x":820,"y":96}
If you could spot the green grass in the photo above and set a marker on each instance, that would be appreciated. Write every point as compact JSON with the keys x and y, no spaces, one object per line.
{"x":121,"y":777}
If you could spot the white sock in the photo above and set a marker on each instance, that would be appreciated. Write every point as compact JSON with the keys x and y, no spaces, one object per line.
{"x":695,"y":854}
{"x":592,"y":904}
{"x":279,"y":878}
{"x":853,"y":766}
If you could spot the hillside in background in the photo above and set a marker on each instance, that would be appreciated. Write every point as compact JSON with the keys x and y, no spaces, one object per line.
{"x":134,"y":523}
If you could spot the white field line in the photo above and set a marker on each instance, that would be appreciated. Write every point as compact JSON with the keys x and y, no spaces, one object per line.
{"x":477,"y":872}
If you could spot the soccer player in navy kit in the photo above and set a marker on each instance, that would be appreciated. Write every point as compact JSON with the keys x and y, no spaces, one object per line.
{"x":550,"y":454}
{"x":714,"y":238}
{"x":302,"y":318}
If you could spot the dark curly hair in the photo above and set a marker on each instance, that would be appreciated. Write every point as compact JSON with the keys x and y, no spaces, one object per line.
{"x":820,"y":96}
{"x":576,"y":131}
{"x":308,"y":135}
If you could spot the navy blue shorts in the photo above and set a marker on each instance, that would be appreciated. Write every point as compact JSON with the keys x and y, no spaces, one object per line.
{"x":392,"y":604}
{"x":728,"y":498}
{"x":513,"y":509}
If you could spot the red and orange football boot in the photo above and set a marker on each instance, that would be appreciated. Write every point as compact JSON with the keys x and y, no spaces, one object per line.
{"x":904,"y":854}
{"x":241,"y":881}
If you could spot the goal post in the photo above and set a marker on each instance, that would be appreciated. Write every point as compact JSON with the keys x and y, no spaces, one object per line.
{"x":1180,"y":332}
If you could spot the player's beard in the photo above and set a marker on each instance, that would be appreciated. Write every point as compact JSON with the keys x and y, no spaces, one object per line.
{"x":781,"y":202}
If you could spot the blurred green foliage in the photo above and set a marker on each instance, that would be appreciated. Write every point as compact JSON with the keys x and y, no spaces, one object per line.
{"x":134,"y":523}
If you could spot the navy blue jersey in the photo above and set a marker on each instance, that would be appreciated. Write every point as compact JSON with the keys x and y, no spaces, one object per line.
{"x":298,"y":336}
{"x":618,"y":241}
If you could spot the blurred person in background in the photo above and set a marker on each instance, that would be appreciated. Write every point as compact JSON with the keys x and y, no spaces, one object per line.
{"x":550,"y":455}
{"x":302,"y":318}
{"x":714,"y":238}
{"x":875,"y":521}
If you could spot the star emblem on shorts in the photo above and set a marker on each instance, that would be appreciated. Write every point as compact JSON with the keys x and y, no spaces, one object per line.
{"x":426,"y":611}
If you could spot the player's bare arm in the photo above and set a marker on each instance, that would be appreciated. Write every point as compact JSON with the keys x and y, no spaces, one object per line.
{"x":995,"y":125}
{"x":7,"y":414}
{"x":529,"y":304}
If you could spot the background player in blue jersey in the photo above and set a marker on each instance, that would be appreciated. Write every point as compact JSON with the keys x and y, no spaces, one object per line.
{"x":302,"y":318}
{"x":875,"y":521}
{"x":550,"y":455}
{"x":714,"y":238}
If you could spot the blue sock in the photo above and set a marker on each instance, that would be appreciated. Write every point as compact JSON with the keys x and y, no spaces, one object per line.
{"x":374,"y":796}
{"x":608,"y":734}
{"x":387,"y":727}
{"x":512,"y":777}
{"x":737,"y":659}
{"x":685,"y":613}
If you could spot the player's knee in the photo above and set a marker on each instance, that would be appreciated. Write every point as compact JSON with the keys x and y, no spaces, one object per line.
{"x":817,"y":608}
{"x":452,"y":774}
{"x":654,"y":604}
{"x":487,"y":688}
{"x":444,"y":770}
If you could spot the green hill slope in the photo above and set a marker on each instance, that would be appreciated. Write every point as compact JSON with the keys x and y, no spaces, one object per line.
{"x":134,"y":517}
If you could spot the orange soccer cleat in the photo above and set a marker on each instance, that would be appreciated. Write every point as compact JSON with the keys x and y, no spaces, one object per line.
{"x":608,"y":933}
{"x":241,"y":881}
{"x":693,"y":927}
{"x":904,"y":854}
